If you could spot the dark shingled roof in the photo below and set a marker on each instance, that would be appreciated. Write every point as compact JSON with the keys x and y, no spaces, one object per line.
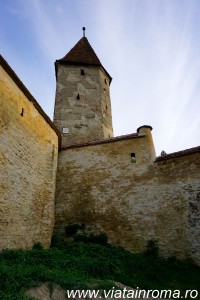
{"x":26,"y":92}
{"x":178,"y":154}
{"x":83,"y":54}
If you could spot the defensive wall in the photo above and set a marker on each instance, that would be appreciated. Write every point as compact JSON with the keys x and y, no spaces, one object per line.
{"x":28,"y":162}
{"x":116,"y":186}
{"x":101,"y":189}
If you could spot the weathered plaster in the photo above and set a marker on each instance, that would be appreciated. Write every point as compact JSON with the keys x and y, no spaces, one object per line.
{"x":28,"y":159}
{"x":97,"y":185}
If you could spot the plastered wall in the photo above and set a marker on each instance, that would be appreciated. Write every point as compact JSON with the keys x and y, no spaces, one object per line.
{"x":28,"y":162}
{"x":97,"y":185}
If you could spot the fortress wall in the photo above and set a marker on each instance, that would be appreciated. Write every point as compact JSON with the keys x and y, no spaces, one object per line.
{"x":97,"y":185}
{"x":177,"y":187}
{"x":28,"y":162}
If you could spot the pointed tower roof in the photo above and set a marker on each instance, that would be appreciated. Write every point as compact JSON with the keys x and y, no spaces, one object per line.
{"x":82,"y":54}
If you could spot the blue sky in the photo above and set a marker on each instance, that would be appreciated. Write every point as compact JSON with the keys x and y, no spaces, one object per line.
{"x":151,"y":48}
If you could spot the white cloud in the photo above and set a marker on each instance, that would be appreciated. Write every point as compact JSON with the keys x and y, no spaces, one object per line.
{"x":155,"y":68}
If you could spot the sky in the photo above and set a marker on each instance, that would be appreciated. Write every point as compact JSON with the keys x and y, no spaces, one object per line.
{"x":151,"y":49}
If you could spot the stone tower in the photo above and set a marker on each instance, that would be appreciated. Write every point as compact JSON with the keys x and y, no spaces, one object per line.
{"x":82,"y":107}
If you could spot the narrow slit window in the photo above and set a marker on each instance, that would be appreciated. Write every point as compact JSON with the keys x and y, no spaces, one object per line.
{"x":22,"y":112}
{"x":133,"y":158}
{"x":78,"y":97}
{"x":82,"y":72}
{"x":105,"y":81}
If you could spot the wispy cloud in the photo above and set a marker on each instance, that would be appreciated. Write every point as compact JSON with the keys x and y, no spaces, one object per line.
{"x":43,"y":25}
{"x":156,"y":72}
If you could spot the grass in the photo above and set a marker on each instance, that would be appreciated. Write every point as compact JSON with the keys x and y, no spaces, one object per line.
{"x":79,"y":265}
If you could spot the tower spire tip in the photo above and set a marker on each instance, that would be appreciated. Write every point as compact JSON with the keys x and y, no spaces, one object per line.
{"x":84,"y":31}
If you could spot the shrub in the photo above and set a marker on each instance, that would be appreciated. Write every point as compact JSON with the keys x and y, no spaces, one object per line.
{"x":100,"y":239}
{"x":72,"y":229}
{"x":37,"y":246}
{"x":57,"y":242}
{"x":152,"y":248}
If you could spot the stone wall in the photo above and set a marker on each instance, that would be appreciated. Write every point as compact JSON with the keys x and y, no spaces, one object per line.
{"x":82,"y":104}
{"x":99,"y":187}
{"x":177,"y":194}
{"x":28,"y":160}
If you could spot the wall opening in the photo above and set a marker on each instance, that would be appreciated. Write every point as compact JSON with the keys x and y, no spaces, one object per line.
{"x":133,"y":157}
{"x":82,"y":72}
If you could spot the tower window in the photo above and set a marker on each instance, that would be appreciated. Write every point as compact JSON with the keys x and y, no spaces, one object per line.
{"x":22,"y":113}
{"x":65,"y":130}
{"x":82,"y":72}
{"x":78,"y":97}
{"x":105,"y":81}
{"x":133,"y":158}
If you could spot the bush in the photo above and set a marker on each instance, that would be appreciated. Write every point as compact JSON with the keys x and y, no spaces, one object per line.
{"x":72,"y":229}
{"x":100,"y":239}
{"x":37,"y":246}
{"x":152,"y":248}
{"x":57,"y":242}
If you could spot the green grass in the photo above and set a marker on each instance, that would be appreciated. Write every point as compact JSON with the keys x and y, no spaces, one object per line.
{"x":81,"y":265}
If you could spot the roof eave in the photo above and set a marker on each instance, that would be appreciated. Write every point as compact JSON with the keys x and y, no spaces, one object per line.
{"x":63,"y":62}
